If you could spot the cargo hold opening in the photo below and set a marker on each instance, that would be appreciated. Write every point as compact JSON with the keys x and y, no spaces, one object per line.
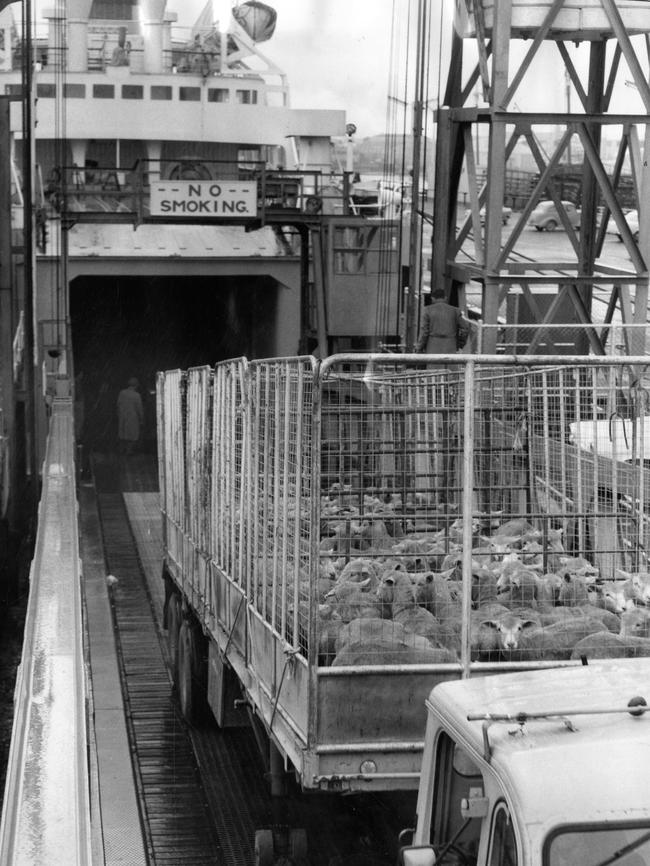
{"x":126,"y":326}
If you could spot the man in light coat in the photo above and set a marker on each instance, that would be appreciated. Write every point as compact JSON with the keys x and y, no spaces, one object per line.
{"x":130,"y":417}
{"x":443,"y":329}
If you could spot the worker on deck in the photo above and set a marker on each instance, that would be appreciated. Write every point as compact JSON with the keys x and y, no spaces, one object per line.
{"x":130,"y":417}
{"x":444,"y":329}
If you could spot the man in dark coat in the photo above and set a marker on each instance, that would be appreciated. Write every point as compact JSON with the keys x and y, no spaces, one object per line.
{"x":443,"y":329}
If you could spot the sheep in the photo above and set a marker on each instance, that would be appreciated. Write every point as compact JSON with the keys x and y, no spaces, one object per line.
{"x":396,"y":588}
{"x":353,"y":601}
{"x":484,"y":587}
{"x":516,"y":527}
{"x":636,"y":586}
{"x":556,"y":641}
{"x":577,"y":565}
{"x":376,"y":641}
{"x":573,"y":590}
{"x":635,"y":623}
{"x":612,"y":595}
{"x":396,"y":595}
{"x":560,"y":614}
{"x":517,"y":585}
{"x":548,"y":588}
{"x":495,"y":637}
{"x":329,"y":627}
{"x":360,"y":570}
{"x":609,"y":646}
{"x":436,"y":593}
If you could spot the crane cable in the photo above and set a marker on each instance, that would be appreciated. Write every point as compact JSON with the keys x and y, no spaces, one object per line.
{"x":389,"y":277}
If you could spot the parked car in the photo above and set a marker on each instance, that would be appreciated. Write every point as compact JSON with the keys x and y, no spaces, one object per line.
{"x":506,"y":213}
{"x":545,"y":217}
{"x":632,"y":219}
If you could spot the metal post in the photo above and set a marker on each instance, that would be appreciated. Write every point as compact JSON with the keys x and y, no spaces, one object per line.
{"x":28,"y":244}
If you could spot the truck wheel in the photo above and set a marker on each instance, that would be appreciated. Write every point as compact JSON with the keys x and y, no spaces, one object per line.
{"x":263,"y":848}
{"x":191,"y":682}
{"x":174,"y":618}
{"x":298,"y":845}
{"x":550,"y":226}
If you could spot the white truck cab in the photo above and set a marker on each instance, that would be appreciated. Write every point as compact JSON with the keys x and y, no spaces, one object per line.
{"x":539,"y":768}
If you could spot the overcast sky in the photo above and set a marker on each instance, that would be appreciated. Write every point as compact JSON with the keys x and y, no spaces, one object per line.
{"x":335,"y":53}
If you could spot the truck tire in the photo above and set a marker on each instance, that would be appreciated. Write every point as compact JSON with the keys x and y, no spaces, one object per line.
{"x":264,"y":848}
{"x":174,"y":619}
{"x":191,"y":678}
{"x":550,"y":226}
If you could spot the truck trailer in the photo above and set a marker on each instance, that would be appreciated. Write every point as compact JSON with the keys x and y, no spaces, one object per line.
{"x":342,"y":535}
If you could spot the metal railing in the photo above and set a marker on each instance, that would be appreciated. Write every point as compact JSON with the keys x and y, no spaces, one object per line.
{"x":46,"y":808}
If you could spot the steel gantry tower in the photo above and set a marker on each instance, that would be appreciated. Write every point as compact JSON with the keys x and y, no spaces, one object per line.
{"x":501,"y":48}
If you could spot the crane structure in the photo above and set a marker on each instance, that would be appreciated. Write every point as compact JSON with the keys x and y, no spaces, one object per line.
{"x":501,"y":47}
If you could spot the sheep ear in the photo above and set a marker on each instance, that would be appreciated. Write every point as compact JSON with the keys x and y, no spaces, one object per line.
{"x":491,"y":622}
{"x":528,"y":623}
{"x":389,"y":581}
{"x":566,"y":577}
{"x":429,"y":577}
{"x":365,"y":582}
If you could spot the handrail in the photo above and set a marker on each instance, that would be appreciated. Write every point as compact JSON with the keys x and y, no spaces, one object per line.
{"x":46,"y":808}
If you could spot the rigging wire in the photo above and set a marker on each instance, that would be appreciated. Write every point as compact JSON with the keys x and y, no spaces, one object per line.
{"x":389,"y":278}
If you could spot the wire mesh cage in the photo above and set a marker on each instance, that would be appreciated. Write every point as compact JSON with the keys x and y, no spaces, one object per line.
{"x":419,"y":510}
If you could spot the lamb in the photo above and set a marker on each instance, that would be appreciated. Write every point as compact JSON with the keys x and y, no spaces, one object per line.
{"x":609,"y":646}
{"x":635,"y":623}
{"x":396,"y":595}
{"x":517,"y":585}
{"x":360,"y":570}
{"x":496,"y":631}
{"x":636,"y":586}
{"x":377,"y":641}
{"x":556,"y":641}
{"x":612,"y":595}
{"x":436,"y":593}
{"x":573,"y":590}
{"x":548,"y":588}
{"x":329,"y":628}
{"x":561,"y":614}
{"x":395,"y":587}
{"x":353,"y":601}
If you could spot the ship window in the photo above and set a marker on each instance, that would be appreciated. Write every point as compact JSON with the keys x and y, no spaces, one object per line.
{"x":160,"y":91}
{"x":246,"y":97}
{"x":46,"y":91}
{"x":103,"y":91}
{"x":132,"y":91}
{"x":218,"y":94}
{"x":13,"y":90}
{"x":74,"y":91}
{"x":189,"y":94}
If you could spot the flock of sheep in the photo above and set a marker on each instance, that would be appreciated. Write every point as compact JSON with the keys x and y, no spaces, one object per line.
{"x":398,"y":600}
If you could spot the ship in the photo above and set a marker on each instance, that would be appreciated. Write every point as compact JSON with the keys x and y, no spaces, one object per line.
{"x":183,"y":213}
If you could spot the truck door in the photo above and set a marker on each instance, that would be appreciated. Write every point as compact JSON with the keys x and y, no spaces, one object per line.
{"x":503,"y":845}
{"x":455,"y":838}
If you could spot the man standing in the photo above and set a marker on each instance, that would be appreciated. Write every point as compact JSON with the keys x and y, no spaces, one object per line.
{"x":444,"y":329}
{"x":130,"y":416}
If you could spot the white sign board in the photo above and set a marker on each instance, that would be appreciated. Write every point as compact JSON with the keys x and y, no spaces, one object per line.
{"x":204,"y":198}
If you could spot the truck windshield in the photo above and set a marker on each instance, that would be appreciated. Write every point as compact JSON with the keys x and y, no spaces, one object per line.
{"x":600,"y":846}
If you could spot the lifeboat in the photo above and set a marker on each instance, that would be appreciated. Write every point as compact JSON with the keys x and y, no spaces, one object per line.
{"x":256,"y":19}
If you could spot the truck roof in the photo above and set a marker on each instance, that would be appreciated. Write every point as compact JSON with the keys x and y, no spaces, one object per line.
{"x":606,"y":757}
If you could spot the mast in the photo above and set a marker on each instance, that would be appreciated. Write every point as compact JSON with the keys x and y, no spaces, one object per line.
{"x":412,"y":290}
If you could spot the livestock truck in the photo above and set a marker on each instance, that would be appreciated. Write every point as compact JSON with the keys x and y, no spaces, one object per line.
{"x":342,"y":535}
{"x":537,"y":767}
